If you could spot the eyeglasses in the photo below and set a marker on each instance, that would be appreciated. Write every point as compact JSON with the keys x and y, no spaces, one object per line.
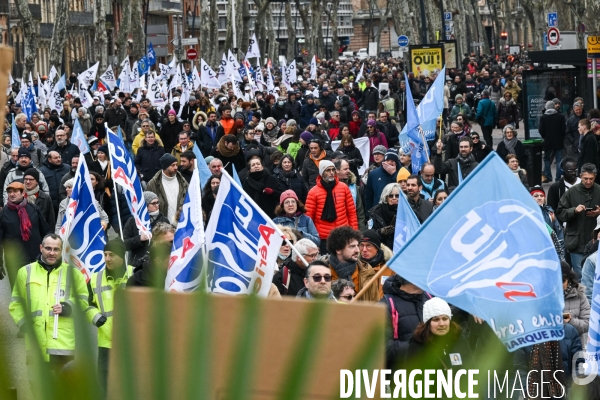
{"x":348,"y":297}
{"x":317,"y":278}
{"x":394,"y":196}
{"x":475,"y":137}
{"x":313,"y":255}
{"x":145,"y":126}
{"x":28,"y":179}
{"x":154,"y":203}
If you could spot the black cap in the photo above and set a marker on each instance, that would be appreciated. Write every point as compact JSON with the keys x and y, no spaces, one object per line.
{"x":34,"y":173}
{"x":371,"y":236}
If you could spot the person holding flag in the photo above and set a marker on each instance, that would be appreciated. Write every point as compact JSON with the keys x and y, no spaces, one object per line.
{"x":457,"y":168}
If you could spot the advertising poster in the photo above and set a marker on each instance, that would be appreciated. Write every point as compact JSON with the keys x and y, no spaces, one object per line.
{"x":426,"y":60}
{"x":450,"y":54}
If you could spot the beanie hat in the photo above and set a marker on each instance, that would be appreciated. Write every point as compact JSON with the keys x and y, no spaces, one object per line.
{"x":403,"y":175}
{"x":260,"y":127}
{"x":537,"y":188}
{"x":26,"y":136}
{"x":371,"y":123}
{"x":323,"y":165}
{"x":271,"y":120}
{"x":281,"y":122}
{"x":288,"y":194}
{"x":313,"y":121}
{"x":24,"y":152}
{"x":549,"y":105}
{"x":166,"y":160}
{"x":292,"y":122}
{"x":103,"y":149}
{"x":116,"y":246}
{"x":379,"y":149}
{"x":172,"y":112}
{"x":458,"y":96}
{"x":371,"y":236}
{"x":92,"y":139}
{"x":149,"y":196}
{"x":306,"y":136}
{"x":434,"y":308}
{"x":33,"y":173}
{"x":393,"y":156}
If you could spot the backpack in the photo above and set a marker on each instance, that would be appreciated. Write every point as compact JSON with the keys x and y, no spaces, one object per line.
{"x":395,"y":314}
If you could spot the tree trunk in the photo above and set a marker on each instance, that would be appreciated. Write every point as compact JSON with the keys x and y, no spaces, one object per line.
{"x":59,"y":34}
{"x":382,"y":24}
{"x":335,"y":42}
{"x":316,"y":28}
{"x":137,"y":30}
{"x":481,"y":37}
{"x":101,"y":37}
{"x":245,"y":38}
{"x":308,"y":43}
{"x":30,"y":34}
{"x":215,"y":57}
{"x":204,"y":40}
{"x":229,"y":34}
{"x":291,"y":33}
{"x":536,"y":14}
{"x":124,"y":29}
{"x":403,"y":23}
{"x":434,"y":22}
{"x":273,"y":49}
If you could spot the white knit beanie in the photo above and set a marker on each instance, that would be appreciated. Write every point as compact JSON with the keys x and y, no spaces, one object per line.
{"x":323,"y":165}
{"x":435,"y":307}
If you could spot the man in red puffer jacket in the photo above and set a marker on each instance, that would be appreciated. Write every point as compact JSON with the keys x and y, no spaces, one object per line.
{"x":329,"y":204}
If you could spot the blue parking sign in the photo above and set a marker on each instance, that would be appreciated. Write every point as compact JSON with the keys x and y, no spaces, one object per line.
{"x":553,"y":20}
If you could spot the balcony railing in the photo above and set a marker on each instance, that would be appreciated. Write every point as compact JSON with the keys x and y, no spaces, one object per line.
{"x":46,"y":30}
{"x":81,"y":18}
{"x":34,"y":9}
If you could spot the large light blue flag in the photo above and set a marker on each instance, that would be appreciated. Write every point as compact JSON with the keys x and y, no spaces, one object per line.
{"x":432,"y":106}
{"x":125,"y":175}
{"x":78,"y":138}
{"x":82,"y":233}
{"x":487,"y":251}
{"x":592,"y":356}
{"x":15,"y":139}
{"x":407,"y":223}
{"x":416,"y":143}
{"x":236,"y":178}
{"x":242,"y":243}
{"x":151,"y":55}
{"x":184,"y":264}
{"x":205,"y":173}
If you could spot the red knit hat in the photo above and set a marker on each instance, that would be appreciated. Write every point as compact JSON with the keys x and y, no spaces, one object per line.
{"x":288,"y":194}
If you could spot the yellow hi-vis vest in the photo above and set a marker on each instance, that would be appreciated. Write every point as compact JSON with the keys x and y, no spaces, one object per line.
{"x":103,"y":288}
{"x":388,"y":105}
{"x":34,"y":293}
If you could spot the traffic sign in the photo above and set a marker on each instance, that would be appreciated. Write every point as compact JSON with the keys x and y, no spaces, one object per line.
{"x":593,"y":46}
{"x":447,"y":16}
{"x":189,"y":42}
{"x":552,"y":20}
{"x":402,"y":41}
{"x":191,"y":54}
{"x":553,"y":36}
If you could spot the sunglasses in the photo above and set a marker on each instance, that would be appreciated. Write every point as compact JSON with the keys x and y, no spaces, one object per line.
{"x":317,"y":278}
{"x":393,"y":196}
{"x":474,"y":137}
{"x":348,"y":297}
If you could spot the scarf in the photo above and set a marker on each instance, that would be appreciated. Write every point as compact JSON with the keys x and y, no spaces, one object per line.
{"x":428,"y":186}
{"x":278,"y":141}
{"x":510,"y":144}
{"x":344,"y":269}
{"x":223,"y":150}
{"x":31,"y":195}
{"x":318,"y":159}
{"x":271,"y":135}
{"x":25,"y":223}
{"x":465,"y":162}
{"x":550,"y":112}
{"x":375,"y":261}
{"x":329,"y":213}
{"x":388,"y":213}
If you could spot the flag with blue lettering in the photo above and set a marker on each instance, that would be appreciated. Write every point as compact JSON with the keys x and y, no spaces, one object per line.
{"x":432,"y":106}
{"x":78,"y":138}
{"x":151,"y":55}
{"x":186,"y":255}
{"x":592,"y":356}
{"x":29,"y":105}
{"x":487,"y":251}
{"x":242,"y":243}
{"x":15,"y":138}
{"x":407,"y":223}
{"x":142,"y":66}
{"x":203,"y":169}
{"x":125,"y":175}
{"x":416,"y":143}
{"x":82,"y":233}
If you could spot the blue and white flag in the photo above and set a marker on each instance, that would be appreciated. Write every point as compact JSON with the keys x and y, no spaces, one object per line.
{"x":592,"y":356}
{"x":242,"y":243}
{"x":125,"y":175}
{"x":29,"y":105}
{"x":142,"y":66}
{"x":203,"y":169}
{"x":487,"y":251}
{"x":432,"y":106}
{"x":82,"y":233}
{"x":186,"y":255}
{"x":415,"y":141}
{"x":15,"y":139}
{"x":236,"y":178}
{"x":407,"y":223}
{"x":78,"y":138}
{"x":151,"y":55}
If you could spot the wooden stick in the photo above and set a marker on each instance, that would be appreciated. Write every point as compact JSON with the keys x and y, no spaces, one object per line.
{"x":371,"y":282}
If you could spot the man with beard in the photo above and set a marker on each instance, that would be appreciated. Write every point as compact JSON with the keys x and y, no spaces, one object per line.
{"x":35,"y":196}
{"x":346,"y":176}
{"x":229,"y":152}
{"x":342,"y":245}
{"x":376,"y":254}
{"x":186,"y":164}
{"x":132,"y":119}
{"x":18,"y":172}
{"x":422,"y":208}
{"x":464,"y":163}
{"x":64,"y":147}
{"x":169,"y":186}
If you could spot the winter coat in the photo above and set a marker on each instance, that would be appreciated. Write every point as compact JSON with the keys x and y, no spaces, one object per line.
{"x":17,"y":173}
{"x":427,"y":194}
{"x":462,"y":108}
{"x":344,"y":207}
{"x":375,"y":140}
{"x":555,"y":192}
{"x":578,"y":306}
{"x":169,"y":132}
{"x":480,"y":151}
{"x":509,"y":112}
{"x":205,"y":142}
{"x":278,"y":112}
{"x":85,"y":121}
{"x":147,"y":160}
{"x":572,"y":131}
{"x":379,"y":218}
{"x":357,"y":195}
{"x":306,"y":114}
{"x":115,"y":117}
{"x":422,"y":208}
{"x":66,"y":151}
{"x":292,"y":110}
{"x":301,"y":223}
{"x":137,"y":141}
{"x":520,"y":152}
{"x":370,"y":99}
{"x":391,"y":133}
{"x":233,"y":158}
{"x":361,"y":275}
{"x":378,"y":179}
{"x":589,"y":151}
{"x":53,"y":174}
{"x":255,"y":185}
{"x":131,"y":237}
{"x":552,"y":128}
{"x":292,"y":180}
{"x":310,"y":169}
{"x":450,"y":167}
{"x":486,"y":109}
{"x":409,"y":308}
{"x":296,"y":277}
{"x":176,"y":152}
{"x":579,"y":227}
{"x":44,"y":203}
{"x":155,"y":185}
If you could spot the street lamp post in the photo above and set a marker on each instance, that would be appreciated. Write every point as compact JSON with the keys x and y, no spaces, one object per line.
{"x":423,"y":23}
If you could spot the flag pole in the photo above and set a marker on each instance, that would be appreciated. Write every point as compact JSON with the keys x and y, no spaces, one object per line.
{"x":374,"y":279}
{"x":57,"y":299}
{"x":116,"y":193}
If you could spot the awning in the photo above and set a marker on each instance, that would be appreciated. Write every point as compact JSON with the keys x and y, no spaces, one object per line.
{"x":576,"y":57}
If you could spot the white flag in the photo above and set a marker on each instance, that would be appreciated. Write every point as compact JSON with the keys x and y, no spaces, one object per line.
{"x":313,"y":68}
{"x":360,"y":73}
{"x":291,"y":73}
{"x":154,"y":94}
{"x":223,"y":70}
{"x":208,"y":78}
{"x":53,"y":74}
{"x":234,"y":65}
{"x":270,"y":84}
{"x":108,"y":77}
{"x":195,"y":79}
{"x":55,"y":101}
{"x":253,"y":50}
{"x":260,"y":80}
{"x":41,"y":92}
{"x":85,"y":97}
{"x":236,"y":89}
{"x":124,"y":77}
{"x":134,"y":77}
{"x":88,"y":76}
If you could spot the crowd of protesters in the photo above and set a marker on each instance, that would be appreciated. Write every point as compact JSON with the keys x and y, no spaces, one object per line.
{"x":340,"y":221}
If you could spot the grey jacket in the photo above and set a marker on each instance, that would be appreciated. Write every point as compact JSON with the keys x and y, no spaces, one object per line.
{"x":577,"y":304}
{"x":16,"y":174}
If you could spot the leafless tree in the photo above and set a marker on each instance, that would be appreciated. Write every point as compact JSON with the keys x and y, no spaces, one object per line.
{"x":291,"y":33}
{"x":31,"y":35}
{"x":137,"y":30}
{"x":214,"y":34}
{"x":101,"y":37}
{"x":59,"y":34}
{"x":124,"y":28}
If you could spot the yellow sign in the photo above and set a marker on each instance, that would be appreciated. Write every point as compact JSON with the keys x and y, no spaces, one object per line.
{"x":426,"y":60}
{"x":593,"y":46}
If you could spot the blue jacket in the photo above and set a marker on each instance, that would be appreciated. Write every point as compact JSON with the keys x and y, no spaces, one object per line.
{"x":307,"y":113}
{"x":305,"y":225}
{"x":378,"y":179}
{"x":486,"y":109}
